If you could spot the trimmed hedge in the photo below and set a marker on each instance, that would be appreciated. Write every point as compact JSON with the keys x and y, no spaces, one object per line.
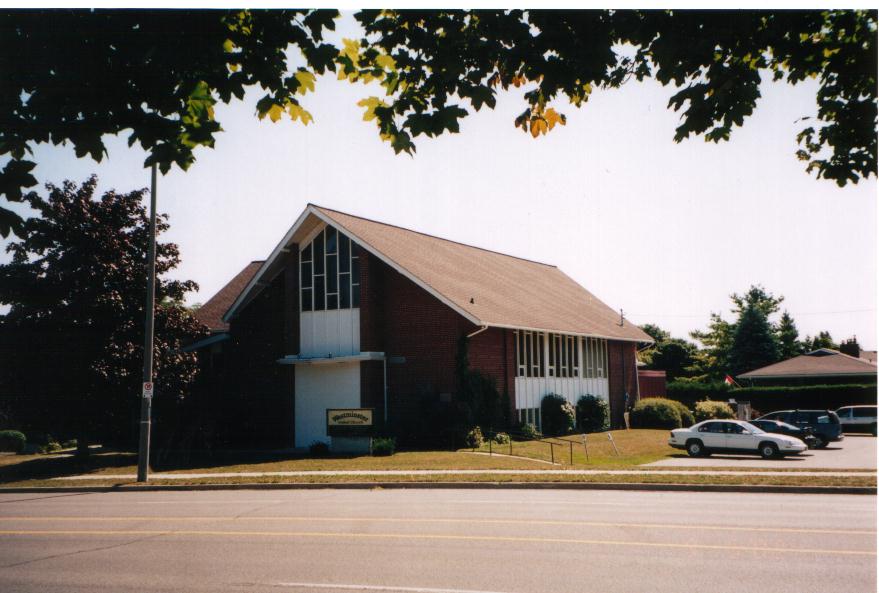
{"x":706,"y":410}
{"x":557,"y":415}
{"x":12,"y":440}
{"x":656,"y":412}
{"x":382,"y":447}
{"x":772,"y":398}
{"x":594,"y":414}
{"x":687,"y":417}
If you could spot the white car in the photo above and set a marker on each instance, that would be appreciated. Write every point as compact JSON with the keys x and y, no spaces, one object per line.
{"x":733,"y":436}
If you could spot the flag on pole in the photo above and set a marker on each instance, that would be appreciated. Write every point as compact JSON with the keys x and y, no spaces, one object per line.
{"x":730,"y":381}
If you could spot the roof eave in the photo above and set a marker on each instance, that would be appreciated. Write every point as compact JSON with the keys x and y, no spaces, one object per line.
{"x":808,"y":375}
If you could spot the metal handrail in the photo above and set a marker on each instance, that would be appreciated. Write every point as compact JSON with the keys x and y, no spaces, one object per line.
{"x":490,"y":434}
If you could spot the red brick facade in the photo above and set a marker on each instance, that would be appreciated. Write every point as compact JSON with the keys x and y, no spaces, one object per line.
{"x":622,"y":379}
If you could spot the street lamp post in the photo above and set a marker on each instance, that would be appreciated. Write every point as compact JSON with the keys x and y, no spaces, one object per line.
{"x":146,"y":401}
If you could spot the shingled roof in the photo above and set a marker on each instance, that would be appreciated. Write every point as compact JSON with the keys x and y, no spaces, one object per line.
{"x":211,"y":313}
{"x":818,"y":363}
{"x":488,"y":288}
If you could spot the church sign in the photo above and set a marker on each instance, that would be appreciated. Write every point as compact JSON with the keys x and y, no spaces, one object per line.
{"x":349,"y":422}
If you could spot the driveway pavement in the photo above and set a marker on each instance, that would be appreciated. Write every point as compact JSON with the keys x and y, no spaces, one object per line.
{"x":854,"y":452}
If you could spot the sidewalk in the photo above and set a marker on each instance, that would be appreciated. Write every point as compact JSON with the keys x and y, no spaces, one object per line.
{"x":465,"y":472}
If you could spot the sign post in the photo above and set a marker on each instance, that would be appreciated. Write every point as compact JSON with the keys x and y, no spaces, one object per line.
{"x":146,"y":400}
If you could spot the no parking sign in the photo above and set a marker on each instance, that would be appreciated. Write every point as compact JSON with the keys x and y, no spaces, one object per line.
{"x":148,"y":389}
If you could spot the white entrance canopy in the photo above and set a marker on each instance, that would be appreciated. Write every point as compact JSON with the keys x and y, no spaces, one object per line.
{"x":295,"y":359}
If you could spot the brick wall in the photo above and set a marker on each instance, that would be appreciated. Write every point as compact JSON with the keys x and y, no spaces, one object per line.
{"x":622,"y":378}
{"x":416,"y":332}
{"x":493,"y":353}
{"x":419,"y":334}
{"x":258,"y":396}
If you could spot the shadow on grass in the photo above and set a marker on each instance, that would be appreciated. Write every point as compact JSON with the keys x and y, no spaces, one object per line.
{"x":53,"y":466}
{"x":60,"y":465}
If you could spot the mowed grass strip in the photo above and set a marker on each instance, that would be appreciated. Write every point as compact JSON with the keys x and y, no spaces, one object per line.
{"x":646,"y":478}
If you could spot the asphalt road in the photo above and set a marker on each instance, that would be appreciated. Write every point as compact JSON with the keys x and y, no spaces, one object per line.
{"x":855,"y":451}
{"x":437,"y":541}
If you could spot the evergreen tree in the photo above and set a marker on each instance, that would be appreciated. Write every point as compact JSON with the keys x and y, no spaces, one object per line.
{"x":788,"y":337}
{"x":754,"y":343}
{"x":822,"y":340}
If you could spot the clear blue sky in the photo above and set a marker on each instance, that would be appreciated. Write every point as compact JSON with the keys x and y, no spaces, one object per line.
{"x":665,"y":231}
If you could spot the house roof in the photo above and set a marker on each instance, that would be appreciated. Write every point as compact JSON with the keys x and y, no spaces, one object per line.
{"x":868,"y":355}
{"x":211,"y":313}
{"x":818,"y":363}
{"x":486,"y":287}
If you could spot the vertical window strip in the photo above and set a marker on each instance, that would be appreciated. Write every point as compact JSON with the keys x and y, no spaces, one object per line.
{"x":541,"y":368}
{"x":329,"y":272}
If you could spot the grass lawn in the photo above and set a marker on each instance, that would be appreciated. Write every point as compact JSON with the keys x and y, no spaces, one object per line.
{"x":635,"y":447}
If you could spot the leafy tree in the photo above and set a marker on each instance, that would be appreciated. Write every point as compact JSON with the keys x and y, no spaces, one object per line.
{"x":74,"y":76}
{"x":788,"y":337}
{"x":712,"y":361}
{"x":715,"y":59}
{"x":822,"y":340}
{"x":672,"y":355}
{"x":754,"y":343}
{"x":676,"y":357}
{"x":654,"y":331}
{"x":77,"y":283}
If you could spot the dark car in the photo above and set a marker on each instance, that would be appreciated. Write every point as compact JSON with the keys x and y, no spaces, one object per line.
{"x":778,"y":427}
{"x":825,"y":424}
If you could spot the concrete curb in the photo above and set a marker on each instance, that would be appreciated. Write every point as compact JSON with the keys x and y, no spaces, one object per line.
{"x":762,"y":489}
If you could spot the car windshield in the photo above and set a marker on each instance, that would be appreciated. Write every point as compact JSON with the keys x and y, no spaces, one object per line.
{"x":752,"y":428}
{"x":787,"y":426}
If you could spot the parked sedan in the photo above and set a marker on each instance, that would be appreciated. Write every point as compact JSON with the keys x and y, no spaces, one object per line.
{"x":825,"y":424}
{"x":733,"y":436}
{"x":779,"y":427}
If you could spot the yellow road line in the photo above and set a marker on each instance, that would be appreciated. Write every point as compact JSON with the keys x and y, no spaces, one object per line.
{"x":559,"y":523}
{"x":431,"y":536}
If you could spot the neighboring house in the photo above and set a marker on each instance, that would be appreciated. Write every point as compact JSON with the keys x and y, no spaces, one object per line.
{"x":819,"y":367}
{"x":348,"y":313}
{"x":651,"y":383}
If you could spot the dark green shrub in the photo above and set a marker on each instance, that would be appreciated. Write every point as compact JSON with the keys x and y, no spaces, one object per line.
{"x":502,"y":438}
{"x":557,"y":415}
{"x":50,"y":447}
{"x":319,"y":449}
{"x":687,"y":418}
{"x":594,"y":413}
{"x":474,"y":438}
{"x":656,"y":412}
{"x":12,"y":440}
{"x":383,"y":446}
{"x":706,"y":410}
{"x":529,"y":432}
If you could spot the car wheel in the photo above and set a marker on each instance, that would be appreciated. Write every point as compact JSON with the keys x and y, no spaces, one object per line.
{"x":820,"y":442}
{"x":768,"y":450}
{"x":695,"y":449}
